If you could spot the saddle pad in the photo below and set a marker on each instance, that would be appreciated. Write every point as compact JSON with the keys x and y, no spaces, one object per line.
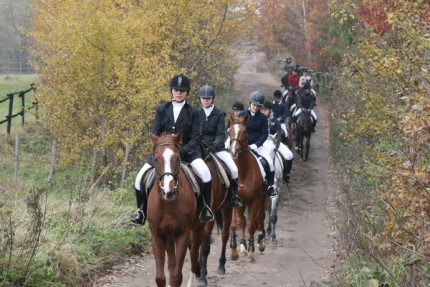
{"x":191,"y":177}
{"x":260,"y":164}
{"x":221,"y":171}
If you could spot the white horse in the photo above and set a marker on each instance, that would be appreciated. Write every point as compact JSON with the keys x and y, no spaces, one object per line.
{"x":270,"y":145}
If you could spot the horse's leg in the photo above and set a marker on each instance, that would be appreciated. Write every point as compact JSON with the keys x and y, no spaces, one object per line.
{"x":269,"y":209}
{"x":260,"y":222}
{"x":181,"y":243}
{"x":205,"y":249}
{"x":233,"y":243}
{"x":242,"y":224}
{"x":158,"y":249}
{"x":227,"y":218}
{"x":308,"y":146}
{"x":171,"y":258}
{"x":273,"y":218}
{"x":252,"y":217}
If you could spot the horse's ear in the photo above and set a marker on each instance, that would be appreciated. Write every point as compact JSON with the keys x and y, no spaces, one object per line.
{"x":153,"y":137}
{"x":230,"y":117}
{"x":178,"y":136}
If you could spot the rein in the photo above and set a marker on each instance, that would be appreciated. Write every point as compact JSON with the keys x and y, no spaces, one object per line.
{"x":241,"y":145}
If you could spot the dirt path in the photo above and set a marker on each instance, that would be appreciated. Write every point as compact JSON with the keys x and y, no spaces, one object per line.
{"x":302,"y":255}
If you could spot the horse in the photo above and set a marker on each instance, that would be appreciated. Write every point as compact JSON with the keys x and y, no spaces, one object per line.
{"x":220,"y":205}
{"x":172,"y":213}
{"x":303,"y":130}
{"x":290,"y":99}
{"x":251,"y":190}
{"x":272,"y":208}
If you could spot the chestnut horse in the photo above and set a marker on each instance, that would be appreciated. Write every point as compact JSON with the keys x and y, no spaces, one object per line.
{"x":251,"y":189}
{"x":172,"y":213}
{"x":303,"y":131}
{"x":220,"y":205}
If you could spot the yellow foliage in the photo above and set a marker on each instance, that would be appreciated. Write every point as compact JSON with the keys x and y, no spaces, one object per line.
{"x":104,"y":65}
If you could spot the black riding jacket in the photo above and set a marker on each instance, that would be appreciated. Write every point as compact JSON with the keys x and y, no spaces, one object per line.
{"x":213,"y":129}
{"x":306,"y":100}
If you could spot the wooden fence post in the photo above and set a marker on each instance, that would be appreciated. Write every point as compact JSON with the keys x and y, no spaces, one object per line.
{"x":9,"y":116}
{"x":124,"y":170}
{"x":16,"y":174}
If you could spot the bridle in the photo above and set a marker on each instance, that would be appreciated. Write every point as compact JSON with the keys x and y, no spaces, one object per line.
{"x":242,"y":146}
{"x":160,"y":177}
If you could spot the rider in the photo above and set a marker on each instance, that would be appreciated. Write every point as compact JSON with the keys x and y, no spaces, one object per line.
{"x":294,"y":79}
{"x":307,"y":101}
{"x":257,"y":132}
{"x":237,"y":107}
{"x":275,"y":127}
{"x":280,"y":111}
{"x":305,"y":78}
{"x":213,"y":135}
{"x":172,"y":117}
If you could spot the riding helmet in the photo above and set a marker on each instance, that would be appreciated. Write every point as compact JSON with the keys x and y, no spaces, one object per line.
{"x":238,"y":106}
{"x":277,"y":94}
{"x":257,"y":98}
{"x":307,"y":86}
{"x":206,"y":92}
{"x":180,"y":82}
{"x":267,"y":105}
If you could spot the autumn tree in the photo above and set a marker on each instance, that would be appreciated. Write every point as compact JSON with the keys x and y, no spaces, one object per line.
{"x":104,"y":65}
{"x":383,"y":112}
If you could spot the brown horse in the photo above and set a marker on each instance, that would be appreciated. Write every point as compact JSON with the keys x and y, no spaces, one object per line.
{"x":220,"y":205}
{"x":172,"y":214}
{"x":304,"y":130}
{"x":251,"y":189}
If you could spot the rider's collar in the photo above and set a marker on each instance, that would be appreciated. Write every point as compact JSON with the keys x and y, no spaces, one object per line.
{"x":178,"y":104}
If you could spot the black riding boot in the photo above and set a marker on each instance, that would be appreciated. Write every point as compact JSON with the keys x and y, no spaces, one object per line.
{"x":288,"y":164}
{"x":140,"y":215}
{"x":314,"y":124}
{"x":235,"y":199}
{"x":206,"y":214}
{"x":271,"y":191}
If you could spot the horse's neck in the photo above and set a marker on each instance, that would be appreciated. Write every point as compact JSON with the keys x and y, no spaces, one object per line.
{"x":246,"y":159}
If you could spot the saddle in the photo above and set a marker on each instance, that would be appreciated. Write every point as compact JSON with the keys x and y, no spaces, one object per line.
{"x":262,"y":161}
{"x":221,"y":170}
{"x":148,"y":179}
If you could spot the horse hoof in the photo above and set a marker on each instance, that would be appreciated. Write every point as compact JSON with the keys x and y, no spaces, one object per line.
{"x":234,"y":256}
{"x":221,"y":270}
{"x":251,"y":258}
{"x":202,"y":283}
{"x":261,"y":246}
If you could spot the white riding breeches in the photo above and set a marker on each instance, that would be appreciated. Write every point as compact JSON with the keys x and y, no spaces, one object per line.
{"x":266,"y":154}
{"x":285,"y":151}
{"x":298,"y":111}
{"x":229,"y":162}
{"x":198,"y":165}
{"x":284,"y":128}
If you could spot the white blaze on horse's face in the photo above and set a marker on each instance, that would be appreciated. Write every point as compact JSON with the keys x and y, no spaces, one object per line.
{"x":168,"y":192}
{"x":235,"y":145}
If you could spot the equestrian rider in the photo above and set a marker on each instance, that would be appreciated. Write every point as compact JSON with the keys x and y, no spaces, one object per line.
{"x":275,"y":128}
{"x":257,"y":132}
{"x":172,"y":117}
{"x":307,"y":101}
{"x":213,"y":135}
{"x":280,"y":111}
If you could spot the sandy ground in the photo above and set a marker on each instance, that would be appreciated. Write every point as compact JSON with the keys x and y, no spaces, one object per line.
{"x":302,"y":256}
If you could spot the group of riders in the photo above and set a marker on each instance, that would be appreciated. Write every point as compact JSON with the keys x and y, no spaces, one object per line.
{"x":205,"y":132}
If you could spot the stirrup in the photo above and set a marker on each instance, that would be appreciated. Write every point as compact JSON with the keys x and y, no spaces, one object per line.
{"x":208,"y":217}
{"x":139,"y":218}
{"x":287,"y":178}
{"x":236,"y":201}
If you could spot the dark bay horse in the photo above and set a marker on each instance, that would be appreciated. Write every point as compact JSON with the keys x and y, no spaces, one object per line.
{"x":251,"y":189}
{"x":172,"y":214}
{"x":220,"y":205}
{"x":304,"y":131}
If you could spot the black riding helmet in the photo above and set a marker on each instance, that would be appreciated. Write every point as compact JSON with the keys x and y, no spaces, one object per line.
{"x":238,"y":106}
{"x":277,"y":94}
{"x":180,"y":82}
{"x":257,"y":98}
{"x":206,"y":92}
{"x":267,"y":105}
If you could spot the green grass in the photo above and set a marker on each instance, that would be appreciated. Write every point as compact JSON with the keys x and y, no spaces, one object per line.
{"x":12,"y":83}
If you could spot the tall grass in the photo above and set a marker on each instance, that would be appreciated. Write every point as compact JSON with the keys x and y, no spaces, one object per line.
{"x":63,"y":233}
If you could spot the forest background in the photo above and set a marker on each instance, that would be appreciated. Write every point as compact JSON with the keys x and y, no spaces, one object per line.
{"x":102,"y":66}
